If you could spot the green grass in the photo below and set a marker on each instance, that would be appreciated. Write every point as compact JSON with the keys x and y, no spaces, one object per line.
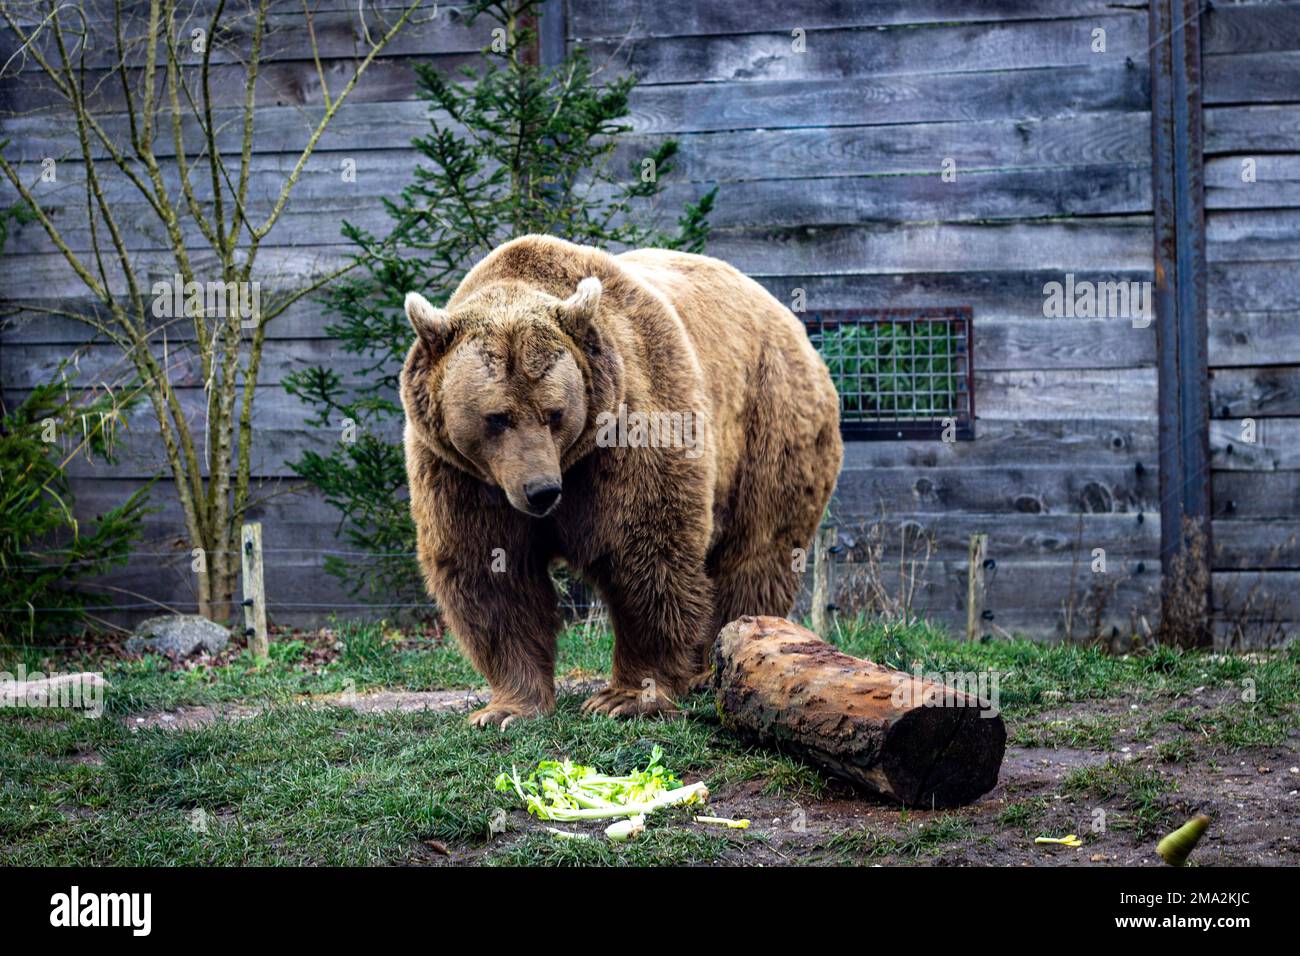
{"x":1024,"y":815}
{"x":915,"y":841}
{"x":1097,"y":733}
{"x":304,"y":784}
{"x":1036,"y":677}
{"x":312,"y":785}
{"x":1139,"y":793}
{"x":665,"y":843}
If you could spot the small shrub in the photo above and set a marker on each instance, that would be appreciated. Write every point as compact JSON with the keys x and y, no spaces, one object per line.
{"x":44,"y":549}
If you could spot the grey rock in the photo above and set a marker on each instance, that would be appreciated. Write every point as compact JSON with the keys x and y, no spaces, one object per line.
{"x":179,"y":635}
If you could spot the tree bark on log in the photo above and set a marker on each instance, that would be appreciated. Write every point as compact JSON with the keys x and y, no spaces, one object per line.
{"x":915,"y":741}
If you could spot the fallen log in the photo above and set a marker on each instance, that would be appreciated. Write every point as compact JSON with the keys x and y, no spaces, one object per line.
{"x":916,"y":741}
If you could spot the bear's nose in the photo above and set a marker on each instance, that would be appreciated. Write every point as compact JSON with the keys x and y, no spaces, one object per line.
{"x":542,"y":493}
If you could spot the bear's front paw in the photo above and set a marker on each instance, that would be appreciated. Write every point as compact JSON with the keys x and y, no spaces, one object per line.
{"x":503,"y":714}
{"x":629,"y":702}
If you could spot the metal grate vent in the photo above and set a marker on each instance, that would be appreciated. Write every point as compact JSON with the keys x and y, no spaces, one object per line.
{"x":901,"y":373}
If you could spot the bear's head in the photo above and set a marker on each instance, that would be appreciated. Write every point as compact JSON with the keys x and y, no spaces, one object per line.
{"x":506,"y":385}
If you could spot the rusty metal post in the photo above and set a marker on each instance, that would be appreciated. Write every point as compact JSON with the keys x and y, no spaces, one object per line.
{"x":1178,"y":195}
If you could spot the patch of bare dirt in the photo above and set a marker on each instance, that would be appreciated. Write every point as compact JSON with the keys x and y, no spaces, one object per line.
{"x":375,"y":702}
{"x":191,"y":717}
{"x":86,"y":757}
{"x":407,"y":701}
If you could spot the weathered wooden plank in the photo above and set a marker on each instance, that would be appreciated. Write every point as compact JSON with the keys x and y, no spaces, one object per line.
{"x":1275,"y":183}
{"x":1232,"y":636}
{"x":305,"y":596}
{"x":1030,"y":537}
{"x":305,"y":319}
{"x":1268,"y":391}
{"x":1025,"y":597}
{"x":1047,"y":626}
{"x":1250,"y":28}
{"x":1032,"y":489}
{"x":1252,"y":287}
{"x":1033,"y":594}
{"x":907,"y":98}
{"x":1102,"y":139}
{"x":32,"y":14}
{"x":1252,"y":235}
{"x":839,"y":53}
{"x":1082,"y":146}
{"x":1258,"y":594}
{"x":980,"y":196}
{"x":36,"y":363}
{"x":1235,"y":129}
{"x":998,"y":294}
{"x":281,"y":434}
{"x":1256,"y":494}
{"x":280,"y":268}
{"x":295,"y":593}
{"x":304,"y":222}
{"x":1266,"y":444}
{"x":1121,"y":244}
{"x":1111,"y":246}
{"x":1246,"y":544}
{"x":977,"y":197}
{"x":338,"y":36}
{"x":1068,"y":393}
{"x":356,"y":127}
{"x":1254,"y":338}
{"x":279,"y":83}
{"x":1271,"y":77}
{"x":1044,"y":343}
{"x":662,"y":110}
{"x":142,"y":456}
{"x":651,"y":18}
{"x":310,"y":523}
{"x":1015,"y":441}
{"x":378,"y":172}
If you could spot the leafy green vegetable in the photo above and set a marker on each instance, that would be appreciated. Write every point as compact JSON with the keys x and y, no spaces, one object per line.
{"x":564,"y":790}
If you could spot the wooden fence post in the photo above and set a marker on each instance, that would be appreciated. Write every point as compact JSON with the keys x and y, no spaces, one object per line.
{"x":979,"y":545}
{"x":254,"y":591}
{"x":823,"y":590}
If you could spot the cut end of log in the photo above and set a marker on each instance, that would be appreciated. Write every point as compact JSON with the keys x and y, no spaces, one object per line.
{"x":915,"y":741}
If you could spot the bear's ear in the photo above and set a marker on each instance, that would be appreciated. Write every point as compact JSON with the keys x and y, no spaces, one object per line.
{"x":434,"y":326}
{"x":578,"y":310}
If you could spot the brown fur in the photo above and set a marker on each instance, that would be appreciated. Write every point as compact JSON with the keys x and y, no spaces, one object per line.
{"x":676,"y":543}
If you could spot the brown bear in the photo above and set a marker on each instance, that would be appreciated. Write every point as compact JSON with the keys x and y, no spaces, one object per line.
{"x":655,"y":420}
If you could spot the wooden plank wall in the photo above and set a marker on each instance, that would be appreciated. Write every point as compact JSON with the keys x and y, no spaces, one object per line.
{"x":374,"y":129}
{"x":828,"y":164}
{"x":1251,"y":58}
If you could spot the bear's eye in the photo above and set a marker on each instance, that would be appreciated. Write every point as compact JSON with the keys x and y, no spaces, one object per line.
{"x":496,"y":423}
{"x":555,"y":417}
